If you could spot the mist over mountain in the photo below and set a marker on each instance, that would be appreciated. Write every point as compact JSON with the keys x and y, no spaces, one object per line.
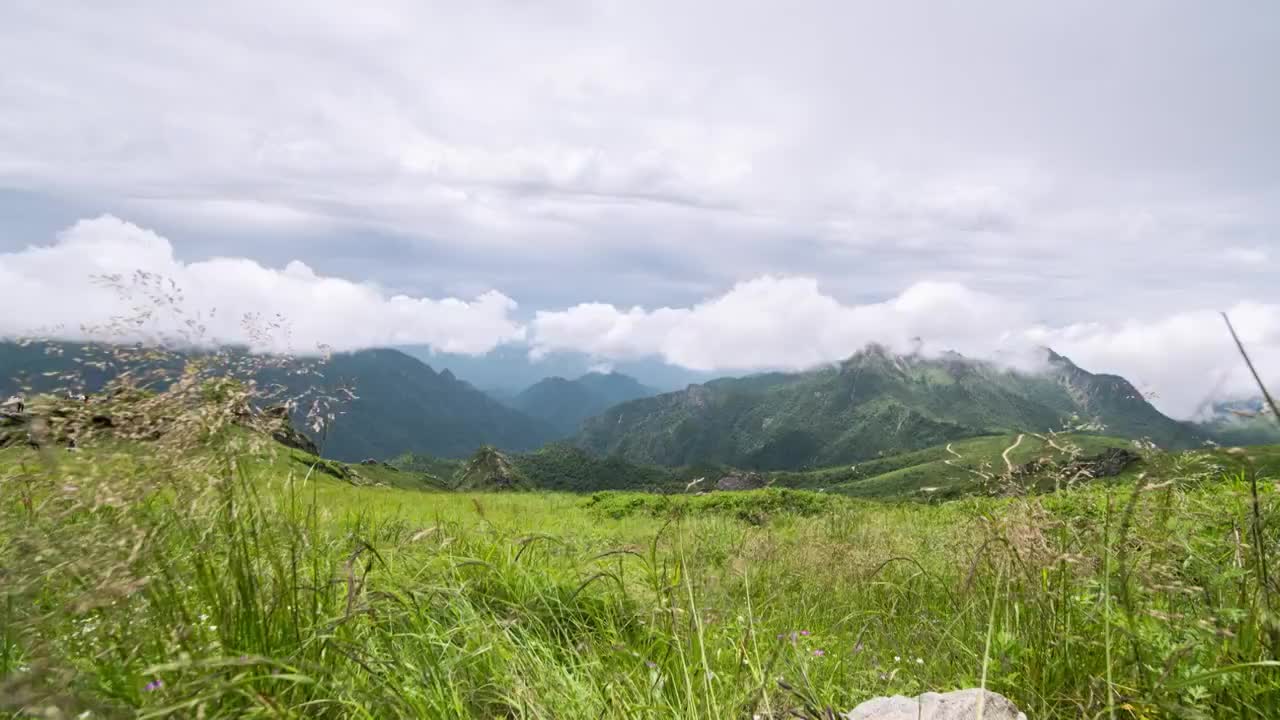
{"x":875,"y":403}
{"x":1246,"y":421}
{"x":509,"y":368}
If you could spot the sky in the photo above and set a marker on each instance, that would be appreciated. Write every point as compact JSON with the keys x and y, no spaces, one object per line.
{"x":723,"y":186}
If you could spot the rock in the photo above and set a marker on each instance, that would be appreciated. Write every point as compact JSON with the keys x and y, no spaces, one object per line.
{"x":957,"y":705}
{"x":741,"y":481}
{"x":1108,"y":463}
{"x":289,"y":437}
{"x":276,"y":412}
{"x":285,"y":433}
{"x":102,"y":421}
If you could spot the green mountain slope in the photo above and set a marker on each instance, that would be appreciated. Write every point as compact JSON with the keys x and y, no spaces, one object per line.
{"x":564,"y":404}
{"x":873,"y":404}
{"x":398,"y":404}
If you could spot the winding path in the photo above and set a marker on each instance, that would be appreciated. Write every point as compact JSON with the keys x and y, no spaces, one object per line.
{"x":1007,"y":462}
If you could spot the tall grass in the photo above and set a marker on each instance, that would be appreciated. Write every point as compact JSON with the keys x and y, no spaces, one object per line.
{"x":182,"y":565}
{"x":230,"y":583}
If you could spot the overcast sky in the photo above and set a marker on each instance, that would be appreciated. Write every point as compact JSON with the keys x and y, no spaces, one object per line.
{"x":723,"y":184}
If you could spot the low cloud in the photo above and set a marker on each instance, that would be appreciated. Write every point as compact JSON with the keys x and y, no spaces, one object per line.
{"x":770,"y":322}
{"x":779,"y":322}
{"x":58,"y":290}
{"x":1183,"y":360}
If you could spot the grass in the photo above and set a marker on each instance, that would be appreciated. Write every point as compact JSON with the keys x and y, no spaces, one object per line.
{"x":232,"y":580}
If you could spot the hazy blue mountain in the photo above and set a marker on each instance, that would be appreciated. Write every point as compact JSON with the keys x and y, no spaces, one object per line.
{"x":1247,"y":421}
{"x":566,"y":403}
{"x":508,"y":369}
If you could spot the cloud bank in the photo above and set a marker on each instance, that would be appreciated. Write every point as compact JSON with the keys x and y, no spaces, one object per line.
{"x":769,"y":322}
{"x":57,"y":290}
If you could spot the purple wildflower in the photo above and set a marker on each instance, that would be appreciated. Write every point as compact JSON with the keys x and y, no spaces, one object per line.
{"x":819,"y":652}
{"x":154,"y":685}
{"x":804,"y":632}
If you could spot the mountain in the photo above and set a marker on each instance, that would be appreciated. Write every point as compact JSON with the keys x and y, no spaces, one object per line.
{"x":398,"y":404}
{"x":564,"y":404}
{"x":1242,"y":422}
{"x":874,"y":403}
{"x":508,"y":368}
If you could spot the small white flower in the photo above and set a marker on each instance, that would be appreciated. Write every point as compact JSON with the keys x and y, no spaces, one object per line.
{"x":897,"y":658}
{"x":919,"y":661}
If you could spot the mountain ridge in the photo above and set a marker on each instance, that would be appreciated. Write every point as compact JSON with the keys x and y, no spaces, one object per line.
{"x":398,"y":403}
{"x":874,"y":402}
{"x":565,"y":404}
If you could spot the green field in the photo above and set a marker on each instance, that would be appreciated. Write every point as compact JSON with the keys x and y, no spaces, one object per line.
{"x":237,"y":579}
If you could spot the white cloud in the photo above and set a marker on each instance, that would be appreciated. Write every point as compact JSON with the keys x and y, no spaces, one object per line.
{"x":790,"y":323}
{"x":770,"y":322}
{"x":50,"y":289}
{"x":865,"y":144}
{"x":1186,"y":359}
{"x":781,"y":322}
{"x":1246,"y":255}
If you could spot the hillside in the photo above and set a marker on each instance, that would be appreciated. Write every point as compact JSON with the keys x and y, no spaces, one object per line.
{"x":564,"y":404}
{"x":271,"y":561}
{"x":873,"y":404}
{"x":397,"y":404}
{"x":1242,"y":422}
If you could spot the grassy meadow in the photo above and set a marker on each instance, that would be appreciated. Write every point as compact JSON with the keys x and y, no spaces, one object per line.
{"x":236,"y":579}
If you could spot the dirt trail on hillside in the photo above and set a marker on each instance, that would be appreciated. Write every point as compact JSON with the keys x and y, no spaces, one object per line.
{"x":1007,"y":462}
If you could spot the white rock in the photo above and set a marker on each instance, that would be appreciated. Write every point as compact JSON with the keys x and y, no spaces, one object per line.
{"x":957,"y":705}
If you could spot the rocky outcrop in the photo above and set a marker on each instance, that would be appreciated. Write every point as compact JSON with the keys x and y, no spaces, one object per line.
{"x":285,"y":433}
{"x":1108,"y":463}
{"x":13,"y":428}
{"x":371,"y":462}
{"x":741,"y":481}
{"x":969,"y":704}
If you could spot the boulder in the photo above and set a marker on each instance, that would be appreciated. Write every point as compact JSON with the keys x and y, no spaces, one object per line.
{"x":741,"y":481}
{"x":956,"y":705}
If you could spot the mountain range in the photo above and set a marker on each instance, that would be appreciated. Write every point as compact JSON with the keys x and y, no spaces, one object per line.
{"x":398,"y":403}
{"x":875,"y":403}
{"x":565,"y":404}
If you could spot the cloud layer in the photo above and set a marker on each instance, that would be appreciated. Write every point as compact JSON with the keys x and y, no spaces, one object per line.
{"x":58,"y":290}
{"x":770,"y":322}
{"x":659,"y":153}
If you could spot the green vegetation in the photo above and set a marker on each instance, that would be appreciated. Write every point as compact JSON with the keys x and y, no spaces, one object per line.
{"x":373,"y":403}
{"x":872,"y":405}
{"x":230,"y":580}
{"x":163,"y":556}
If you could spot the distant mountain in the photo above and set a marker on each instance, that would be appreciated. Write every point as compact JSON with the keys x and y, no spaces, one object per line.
{"x":400,"y":404}
{"x":508,"y":368}
{"x":1242,"y":422}
{"x":875,"y":403}
{"x":564,"y":404}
